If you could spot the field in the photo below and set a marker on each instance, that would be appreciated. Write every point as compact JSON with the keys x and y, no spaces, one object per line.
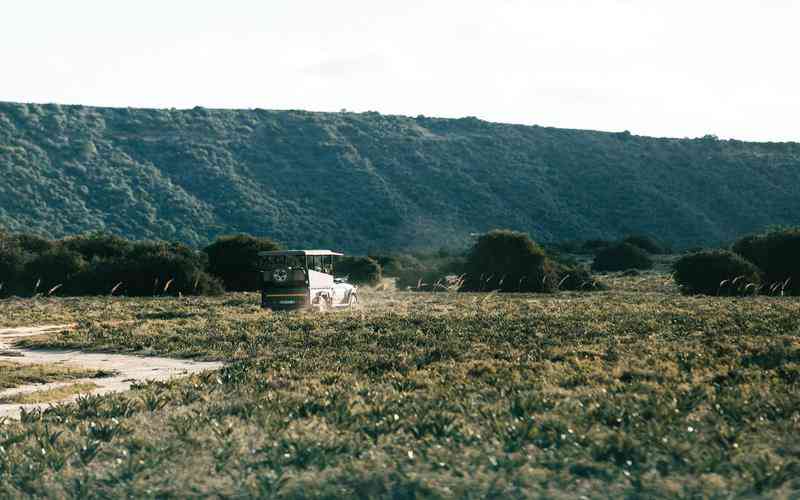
{"x":633,"y":391}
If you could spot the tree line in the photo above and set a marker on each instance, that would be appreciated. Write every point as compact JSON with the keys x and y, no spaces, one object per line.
{"x":500,"y":260}
{"x":106,"y":264}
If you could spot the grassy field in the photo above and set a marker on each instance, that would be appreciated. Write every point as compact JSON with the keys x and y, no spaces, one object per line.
{"x":634,"y":391}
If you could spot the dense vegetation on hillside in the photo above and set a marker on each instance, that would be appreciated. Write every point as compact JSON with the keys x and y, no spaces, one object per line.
{"x":364,"y":181}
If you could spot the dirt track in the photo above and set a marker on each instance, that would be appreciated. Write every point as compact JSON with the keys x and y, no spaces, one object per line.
{"x":128,"y":368}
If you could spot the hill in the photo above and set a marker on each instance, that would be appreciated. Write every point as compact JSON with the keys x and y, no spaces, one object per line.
{"x":361,"y":181}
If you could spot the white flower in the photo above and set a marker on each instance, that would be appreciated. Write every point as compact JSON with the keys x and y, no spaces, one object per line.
{"x":410,"y":455}
{"x":690,"y":429}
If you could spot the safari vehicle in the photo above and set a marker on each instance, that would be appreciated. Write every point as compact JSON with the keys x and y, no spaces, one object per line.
{"x":299,"y":279}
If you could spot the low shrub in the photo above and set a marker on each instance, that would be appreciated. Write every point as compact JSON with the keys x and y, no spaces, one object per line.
{"x":55,"y":267}
{"x":158,"y":268}
{"x":97,"y":264}
{"x":777,"y":254}
{"x":509,"y":261}
{"x":646,"y":243}
{"x":12,"y":264}
{"x":98,"y":245}
{"x":593,"y":246}
{"x":359,"y":270}
{"x":395,"y":265}
{"x":234,"y":260}
{"x":716,"y":272}
{"x":620,"y":257}
{"x":32,"y":243}
{"x":575,"y":278}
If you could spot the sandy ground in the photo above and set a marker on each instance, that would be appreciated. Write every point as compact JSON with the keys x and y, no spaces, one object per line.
{"x":129,"y":368}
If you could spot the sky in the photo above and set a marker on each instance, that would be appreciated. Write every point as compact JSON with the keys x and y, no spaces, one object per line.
{"x":667,"y":68}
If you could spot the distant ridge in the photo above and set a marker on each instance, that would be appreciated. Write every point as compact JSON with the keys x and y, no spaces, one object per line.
{"x":361,"y":181}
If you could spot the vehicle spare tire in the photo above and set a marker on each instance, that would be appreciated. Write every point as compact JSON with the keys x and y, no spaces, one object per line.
{"x":280,"y":275}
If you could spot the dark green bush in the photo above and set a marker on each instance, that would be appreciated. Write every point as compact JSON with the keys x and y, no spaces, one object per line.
{"x":148,"y":268}
{"x":32,"y":243}
{"x":359,"y":270}
{"x":592,"y":246}
{"x":157,"y":268}
{"x":98,"y":245}
{"x":53,"y":268}
{"x":508,"y":261}
{"x":777,"y":254}
{"x":646,"y":243}
{"x":12,"y":264}
{"x":716,"y":272}
{"x":575,"y":278}
{"x":95,"y":264}
{"x":395,"y":265}
{"x":620,"y":257}
{"x":234,"y":259}
{"x":430,"y":274}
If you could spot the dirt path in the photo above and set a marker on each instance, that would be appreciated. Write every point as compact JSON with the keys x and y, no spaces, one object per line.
{"x":128,"y":368}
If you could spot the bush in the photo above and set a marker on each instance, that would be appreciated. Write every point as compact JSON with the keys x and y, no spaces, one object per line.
{"x":575,"y":277}
{"x":646,"y":243}
{"x":149,"y":268}
{"x":98,"y":245}
{"x":32,"y":243}
{"x":620,"y":257}
{"x":55,"y":267}
{"x":716,"y":272}
{"x":508,"y":261}
{"x":395,"y":265}
{"x":777,"y":254}
{"x":593,"y":246}
{"x":157,"y":268}
{"x":430,"y":274}
{"x":359,"y":270}
{"x":234,"y":260}
{"x":12,"y":264}
{"x":95,"y":264}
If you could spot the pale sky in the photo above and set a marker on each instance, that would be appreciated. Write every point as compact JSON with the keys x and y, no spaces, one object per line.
{"x":655,"y":67}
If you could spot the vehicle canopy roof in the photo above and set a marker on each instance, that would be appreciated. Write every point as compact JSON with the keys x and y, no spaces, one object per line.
{"x":298,"y":253}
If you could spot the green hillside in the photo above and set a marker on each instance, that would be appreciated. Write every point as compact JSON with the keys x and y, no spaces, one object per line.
{"x":361,"y":181}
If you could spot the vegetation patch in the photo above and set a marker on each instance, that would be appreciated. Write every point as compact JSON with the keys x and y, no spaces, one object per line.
{"x":509,"y":261}
{"x":48,"y":395}
{"x":359,"y":270}
{"x":16,"y":374}
{"x":620,"y":257}
{"x":717,"y":272}
{"x":634,"y":391}
{"x":101,"y":264}
{"x":777,"y":255}
{"x":411,"y":182}
{"x":234,"y":260}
